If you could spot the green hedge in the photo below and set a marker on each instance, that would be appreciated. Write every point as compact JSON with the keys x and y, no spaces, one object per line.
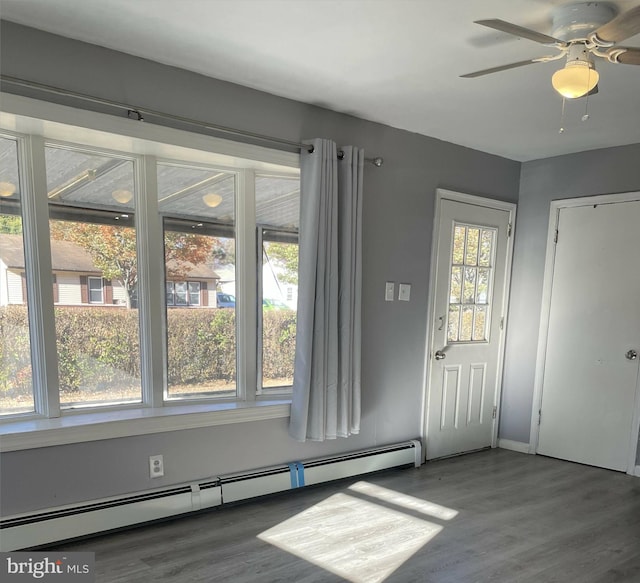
{"x":15,"y":358}
{"x":201,"y":345}
{"x":279,"y":345}
{"x":99,"y":347}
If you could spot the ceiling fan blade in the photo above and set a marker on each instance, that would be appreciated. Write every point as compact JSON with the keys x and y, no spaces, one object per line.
{"x":622,"y":27}
{"x":630,"y":56}
{"x":500,"y":68}
{"x":520,"y":31}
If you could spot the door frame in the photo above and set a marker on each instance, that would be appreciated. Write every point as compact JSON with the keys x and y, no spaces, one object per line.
{"x":545,"y":314}
{"x":470,"y":199}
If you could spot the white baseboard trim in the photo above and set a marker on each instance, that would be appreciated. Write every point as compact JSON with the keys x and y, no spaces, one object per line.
{"x":518,"y":446}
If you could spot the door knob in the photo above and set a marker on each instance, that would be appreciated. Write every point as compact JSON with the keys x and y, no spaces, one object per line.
{"x":630,"y":355}
{"x":439,"y":355}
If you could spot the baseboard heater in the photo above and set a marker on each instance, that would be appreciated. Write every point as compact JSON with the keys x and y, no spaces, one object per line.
{"x":67,"y":522}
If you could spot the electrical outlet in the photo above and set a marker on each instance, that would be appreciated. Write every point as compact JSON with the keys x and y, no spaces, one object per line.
{"x":156,"y":466}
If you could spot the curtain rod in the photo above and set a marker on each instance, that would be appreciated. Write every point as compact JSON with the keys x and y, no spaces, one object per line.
{"x":136,"y":113}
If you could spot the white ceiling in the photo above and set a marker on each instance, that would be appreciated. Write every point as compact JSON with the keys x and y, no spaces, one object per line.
{"x":392,"y":61}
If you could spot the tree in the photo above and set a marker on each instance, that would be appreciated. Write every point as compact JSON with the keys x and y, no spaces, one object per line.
{"x":113,"y":250}
{"x":285,"y":257}
{"x":224,"y":251}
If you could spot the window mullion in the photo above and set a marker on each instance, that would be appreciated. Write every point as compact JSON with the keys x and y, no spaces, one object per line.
{"x":44,"y":354}
{"x":246,"y":286}
{"x":151,"y":284}
{"x":259,"y":298}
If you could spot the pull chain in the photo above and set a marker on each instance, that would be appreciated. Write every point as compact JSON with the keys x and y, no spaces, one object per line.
{"x":585,"y":117}
{"x":561,"y":130}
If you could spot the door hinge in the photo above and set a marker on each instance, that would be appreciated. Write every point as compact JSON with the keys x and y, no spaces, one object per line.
{"x":502,"y":323}
{"x":495,"y":412}
{"x":555,"y":239}
{"x":509,"y":229}
{"x":539,"y":416}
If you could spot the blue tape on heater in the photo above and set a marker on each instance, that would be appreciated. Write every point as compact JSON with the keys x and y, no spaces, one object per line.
{"x":300,"y":474}
{"x":293,"y":473}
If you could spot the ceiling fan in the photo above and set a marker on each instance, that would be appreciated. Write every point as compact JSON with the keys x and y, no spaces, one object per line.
{"x":580,"y":32}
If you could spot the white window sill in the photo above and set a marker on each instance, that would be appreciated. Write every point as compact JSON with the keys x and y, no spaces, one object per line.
{"x":77,"y":428}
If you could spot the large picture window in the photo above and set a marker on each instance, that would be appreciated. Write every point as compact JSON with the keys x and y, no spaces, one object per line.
{"x":181,"y":288}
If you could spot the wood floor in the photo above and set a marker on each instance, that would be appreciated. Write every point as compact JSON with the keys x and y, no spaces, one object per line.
{"x":489,"y":516}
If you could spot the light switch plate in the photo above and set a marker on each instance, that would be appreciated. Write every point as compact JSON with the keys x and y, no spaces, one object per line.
{"x":404,"y":292}
{"x":389,"y":291}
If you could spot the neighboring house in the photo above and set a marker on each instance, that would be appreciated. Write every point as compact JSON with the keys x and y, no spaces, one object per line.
{"x":196,"y":288}
{"x":273,"y":288}
{"x":77,"y":281}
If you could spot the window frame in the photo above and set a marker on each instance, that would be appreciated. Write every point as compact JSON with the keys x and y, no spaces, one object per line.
{"x":462,"y":266}
{"x":34,"y":124}
{"x":276,"y":235}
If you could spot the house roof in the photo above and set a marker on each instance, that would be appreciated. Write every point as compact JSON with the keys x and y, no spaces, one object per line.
{"x":65,"y":255}
{"x":191,"y":271}
{"x":68,"y":256}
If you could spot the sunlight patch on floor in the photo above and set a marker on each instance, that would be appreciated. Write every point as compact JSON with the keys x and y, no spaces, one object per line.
{"x":361,"y":541}
{"x":404,"y":500}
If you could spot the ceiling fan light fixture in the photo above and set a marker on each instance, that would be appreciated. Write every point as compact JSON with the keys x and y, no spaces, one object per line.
{"x":576,"y":79}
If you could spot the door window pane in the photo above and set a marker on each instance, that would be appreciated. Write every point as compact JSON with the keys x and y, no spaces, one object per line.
{"x":94,"y":261}
{"x":456,"y":285}
{"x":480,"y":323}
{"x":471,"y":255}
{"x":459,"y":235}
{"x":482,"y":290}
{"x":278,"y":209}
{"x":16,"y":387}
{"x":197,"y":207}
{"x":486,"y":247}
{"x":466,"y":325}
{"x":470,"y":283}
{"x":453,"y":323}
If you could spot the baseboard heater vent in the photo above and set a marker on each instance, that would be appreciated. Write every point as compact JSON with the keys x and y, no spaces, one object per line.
{"x":67,"y":522}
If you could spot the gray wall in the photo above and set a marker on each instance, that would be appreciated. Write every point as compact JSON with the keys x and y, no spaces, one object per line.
{"x":584,"y":174}
{"x":398,"y":217}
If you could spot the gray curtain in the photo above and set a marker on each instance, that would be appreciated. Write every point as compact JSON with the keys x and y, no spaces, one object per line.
{"x":326,"y":385}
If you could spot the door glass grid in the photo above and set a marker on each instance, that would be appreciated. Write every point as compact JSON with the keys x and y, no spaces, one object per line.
{"x":472,"y":266}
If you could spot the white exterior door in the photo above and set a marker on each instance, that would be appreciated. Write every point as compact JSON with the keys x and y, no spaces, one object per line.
{"x":471,"y":271}
{"x":589,"y":403}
